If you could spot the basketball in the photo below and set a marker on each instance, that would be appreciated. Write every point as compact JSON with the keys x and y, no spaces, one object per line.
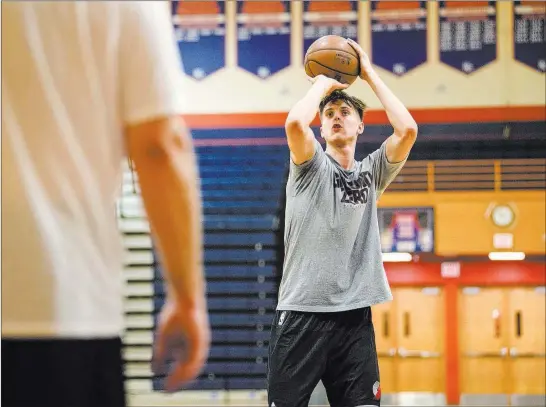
{"x":334,"y":57}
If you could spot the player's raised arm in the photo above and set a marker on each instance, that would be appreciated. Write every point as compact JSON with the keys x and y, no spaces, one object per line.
{"x":297,"y":126}
{"x":405,"y":127}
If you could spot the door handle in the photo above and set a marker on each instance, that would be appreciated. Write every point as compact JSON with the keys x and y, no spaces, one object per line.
{"x":389,"y":354}
{"x":515,"y":354}
{"x":386,"y":324}
{"x":496,"y":316}
{"x":407,"y":323}
{"x":425,"y":354}
{"x":502,"y":353}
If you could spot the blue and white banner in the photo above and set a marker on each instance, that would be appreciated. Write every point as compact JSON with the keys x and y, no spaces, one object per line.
{"x":200,"y":28}
{"x":263,"y":36}
{"x":322,"y":18}
{"x":399,"y":35}
{"x":468,"y":34}
{"x":530,"y":33}
{"x":406,"y":229}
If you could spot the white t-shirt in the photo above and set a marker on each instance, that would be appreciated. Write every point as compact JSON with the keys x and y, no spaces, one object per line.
{"x":73,"y":75}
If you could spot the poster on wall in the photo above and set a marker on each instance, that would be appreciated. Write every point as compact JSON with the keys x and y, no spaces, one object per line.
{"x":322,"y":18}
{"x":200,"y":28}
{"x":263,"y":36}
{"x":468,"y":34}
{"x":530,"y":33}
{"x":409,"y":230}
{"x":399,"y":35}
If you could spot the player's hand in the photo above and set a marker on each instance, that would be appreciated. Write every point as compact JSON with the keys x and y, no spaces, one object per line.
{"x":183,"y":335}
{"x":366,"y":68}
{"x":328,"y":84}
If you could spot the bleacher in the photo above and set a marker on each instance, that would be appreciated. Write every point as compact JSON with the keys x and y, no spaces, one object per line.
{"x":241,"y":188}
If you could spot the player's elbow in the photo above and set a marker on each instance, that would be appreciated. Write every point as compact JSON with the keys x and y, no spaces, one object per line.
{"x":294,"y":125}
{"x":409,"y":132}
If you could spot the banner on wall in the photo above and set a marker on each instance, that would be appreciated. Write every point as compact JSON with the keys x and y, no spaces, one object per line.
{"x":408,"y":230}
{"x":530,"y":33}
{"x":399,"y":35}
{"x":468,"y":34}
{"x":322,"y":18}
{"x":200,"y":28}
{"x":263,"y":36}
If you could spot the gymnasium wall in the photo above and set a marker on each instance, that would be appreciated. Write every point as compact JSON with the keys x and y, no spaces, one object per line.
{"x":432,"y":54}
{"x":464,"y":224}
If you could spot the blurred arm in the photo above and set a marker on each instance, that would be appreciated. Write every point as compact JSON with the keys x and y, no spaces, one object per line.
{"x":160,"y":145}
{"x":165,"y":162}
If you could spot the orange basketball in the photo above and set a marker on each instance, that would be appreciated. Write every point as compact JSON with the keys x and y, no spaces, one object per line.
{"x":334,"y":57}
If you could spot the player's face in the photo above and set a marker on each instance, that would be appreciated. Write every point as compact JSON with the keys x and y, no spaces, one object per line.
{"x":340,"y":122}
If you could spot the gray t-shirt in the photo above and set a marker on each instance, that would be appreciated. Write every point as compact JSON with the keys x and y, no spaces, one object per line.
{"x":333,"y":256}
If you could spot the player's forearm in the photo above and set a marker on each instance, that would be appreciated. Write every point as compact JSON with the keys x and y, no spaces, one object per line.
{"x":170,"y":191}
{"x":399,"y":117}
{"x":306,"y":109}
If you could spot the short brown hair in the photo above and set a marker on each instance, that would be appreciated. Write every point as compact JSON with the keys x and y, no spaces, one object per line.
{"x":338,"y":94}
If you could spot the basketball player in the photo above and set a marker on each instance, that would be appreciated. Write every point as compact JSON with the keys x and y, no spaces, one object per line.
{"x":84,"y":84}
{"x":333,"y":270}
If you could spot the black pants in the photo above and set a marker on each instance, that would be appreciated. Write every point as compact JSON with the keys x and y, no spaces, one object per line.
{"x":62,"y":373}
{"x":337,"y":348}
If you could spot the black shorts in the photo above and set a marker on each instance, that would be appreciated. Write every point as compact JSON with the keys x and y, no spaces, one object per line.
{"x":62,"y":373}
{"x":337,"y":348}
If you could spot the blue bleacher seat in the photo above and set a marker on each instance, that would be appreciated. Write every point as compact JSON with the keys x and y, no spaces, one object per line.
{"x":252,"y":173}
{"x":201,"y":383}
{"x":238,"y":271}
{"x":227,"y":287}
{"x":240,"y":383}
{"x":222,"y":382}
{"x":211,"y":195}
{"x":243,"y":352}
{"x":239,"y":254}
{"x":239,"y":239}
{"x":234,"y":271}
{"x":247,"y":182}
{"x":237,"y":336}
{"x":239,"y":222}
{"x":223,"y":368}
{"x":242,"y":320}
{"x":251,"y":305}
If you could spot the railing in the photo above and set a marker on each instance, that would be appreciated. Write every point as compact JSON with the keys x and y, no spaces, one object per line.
{"x":465,"y":175}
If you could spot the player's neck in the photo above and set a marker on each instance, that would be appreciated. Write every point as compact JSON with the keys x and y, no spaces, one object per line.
{"x":344,"y":155}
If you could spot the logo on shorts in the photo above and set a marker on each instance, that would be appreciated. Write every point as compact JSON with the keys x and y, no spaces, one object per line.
{"x":281,"y":320}
{"x":376,"y":391}
{"x":273,"y":404}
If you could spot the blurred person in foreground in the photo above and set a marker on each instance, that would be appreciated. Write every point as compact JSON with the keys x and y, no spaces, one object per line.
{"x":84,"y":85}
